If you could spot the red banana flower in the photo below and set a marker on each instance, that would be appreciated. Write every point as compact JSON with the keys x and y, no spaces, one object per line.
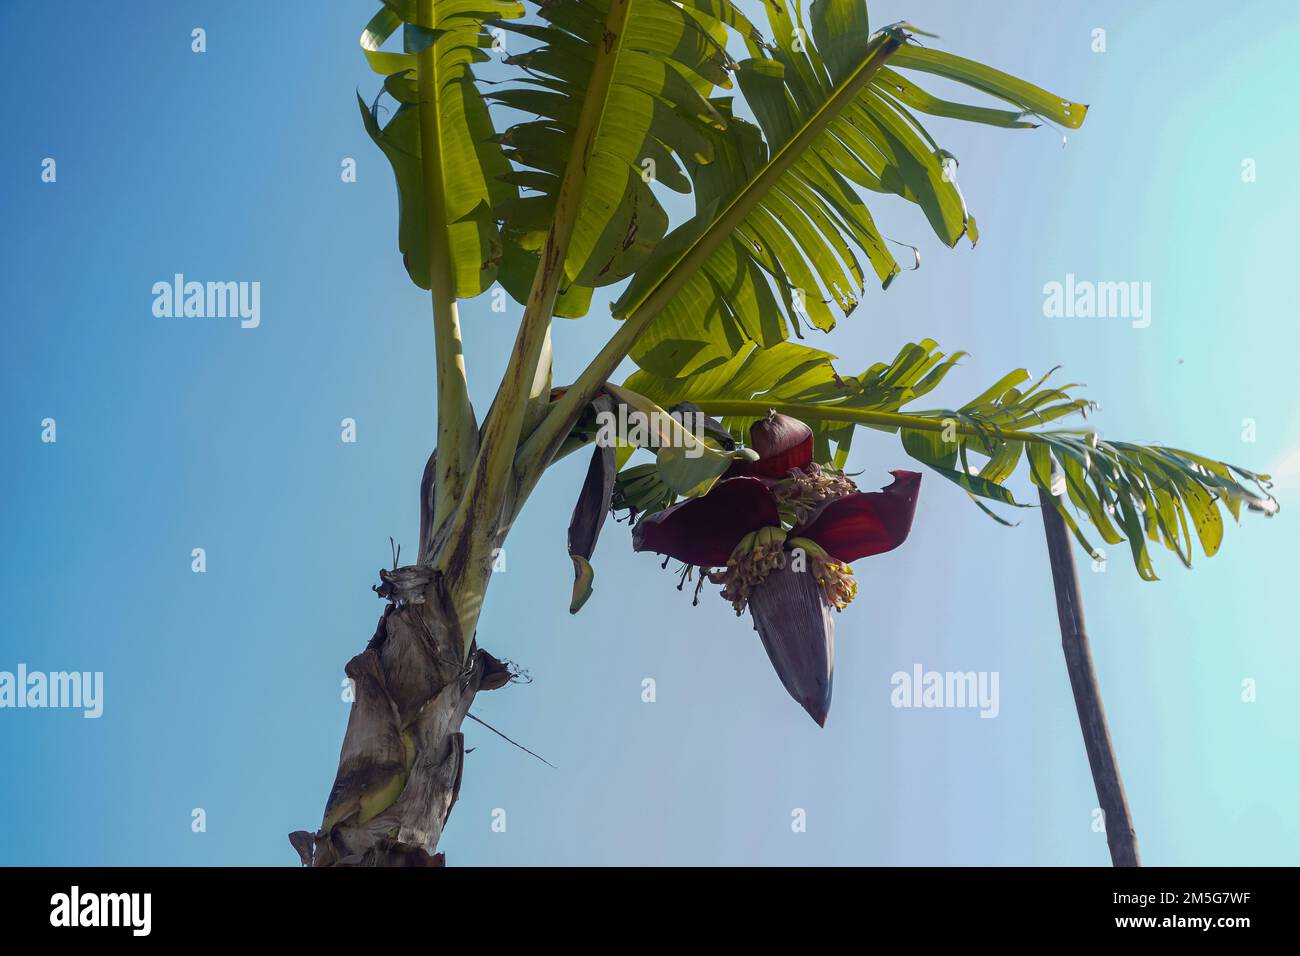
{"x":781,"y":530}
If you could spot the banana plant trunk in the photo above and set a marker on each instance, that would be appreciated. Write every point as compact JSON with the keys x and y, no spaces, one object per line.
{"x":403,"y":752}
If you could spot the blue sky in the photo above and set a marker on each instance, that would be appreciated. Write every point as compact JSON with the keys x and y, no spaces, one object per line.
{"x":222,"y":689}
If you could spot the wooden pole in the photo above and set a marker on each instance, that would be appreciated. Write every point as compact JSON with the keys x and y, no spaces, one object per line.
{"x":1120,"y":835}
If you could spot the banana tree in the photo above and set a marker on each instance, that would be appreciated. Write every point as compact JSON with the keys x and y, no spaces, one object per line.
{"x":550,"y":182}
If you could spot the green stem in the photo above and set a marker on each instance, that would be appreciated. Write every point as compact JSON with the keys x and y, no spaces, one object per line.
{"x":457,"y":430}
{"x":478,"y":522}
{"x":535,"y":455}
{"x":527,"y":377}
